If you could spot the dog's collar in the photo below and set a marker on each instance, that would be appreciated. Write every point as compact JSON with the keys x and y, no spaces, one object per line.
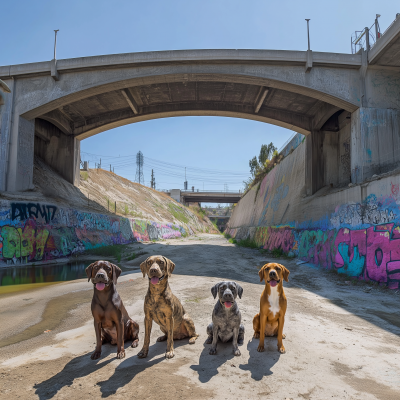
{"x":159,"y":279}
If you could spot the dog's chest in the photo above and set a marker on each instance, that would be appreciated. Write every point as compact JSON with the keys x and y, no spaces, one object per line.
{"x":273,"y":300}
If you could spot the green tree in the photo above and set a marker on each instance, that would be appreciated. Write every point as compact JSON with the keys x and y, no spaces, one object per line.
{"x":266,"y":151}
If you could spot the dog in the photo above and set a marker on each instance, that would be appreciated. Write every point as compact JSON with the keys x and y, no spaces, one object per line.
{"x":111,"y":320}
{"x":226,"y":317}
{"x":161,"y":306}
{"x":273,"y":304}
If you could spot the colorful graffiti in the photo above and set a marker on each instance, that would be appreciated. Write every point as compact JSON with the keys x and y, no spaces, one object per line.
{"x":360,"y":240}
{"x":31,"y":232}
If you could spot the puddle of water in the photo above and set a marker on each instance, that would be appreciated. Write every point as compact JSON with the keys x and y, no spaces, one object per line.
{"x":29,"y":276}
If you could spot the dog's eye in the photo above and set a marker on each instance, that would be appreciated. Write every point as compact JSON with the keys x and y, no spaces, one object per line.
{"x":277,"y":268}
{"x":161,"y":262}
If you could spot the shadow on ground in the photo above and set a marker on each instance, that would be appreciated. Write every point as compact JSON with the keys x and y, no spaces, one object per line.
{"x":83,"y":366}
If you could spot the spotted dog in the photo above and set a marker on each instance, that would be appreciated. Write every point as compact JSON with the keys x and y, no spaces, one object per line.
{"x":226,"y":318}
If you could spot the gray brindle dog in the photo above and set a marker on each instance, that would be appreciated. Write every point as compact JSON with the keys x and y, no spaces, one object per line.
{"x":226,"y":318}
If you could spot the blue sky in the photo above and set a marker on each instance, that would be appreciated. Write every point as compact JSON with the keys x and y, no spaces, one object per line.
{"x":108,"y":27}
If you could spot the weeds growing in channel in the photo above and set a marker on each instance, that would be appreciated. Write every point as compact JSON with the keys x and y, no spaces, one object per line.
{"x":109,"y":251}
{"x":117,"y":251}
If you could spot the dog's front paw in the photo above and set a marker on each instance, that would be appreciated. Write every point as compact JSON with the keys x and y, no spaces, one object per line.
{"x":283,"y":336}
{"x":192,"y":340}
{"x":169,"y":354}
{"x":256,"y":335}
{"x":209,"y":340}
{"x":96,"y":355}
{"x":143,"y":353}
{"x":213,"y":351}
{"x":162,"y":338}
{"x":121,"y":354}
{"x":281,"y":349}
{"x":236,"y":352}
{"x":135,"y":343}
{"x":260,"y":348}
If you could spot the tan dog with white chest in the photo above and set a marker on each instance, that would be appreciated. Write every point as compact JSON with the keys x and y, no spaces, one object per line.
{"x":273,"y":305}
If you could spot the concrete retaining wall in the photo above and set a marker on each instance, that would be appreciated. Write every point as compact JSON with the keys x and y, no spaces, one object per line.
{"x":34,"y":232}
{"x":354,"y":229}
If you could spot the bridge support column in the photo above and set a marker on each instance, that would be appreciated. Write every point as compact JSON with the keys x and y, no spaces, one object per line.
{"x":6,"y":104}
{"x":375,"y":142}
{"x":18,"y":164}
{"x":59,"y":151}
{"x":314,"y":162}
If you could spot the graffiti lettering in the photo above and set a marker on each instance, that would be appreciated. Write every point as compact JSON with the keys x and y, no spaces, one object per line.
{"x":24,"y":211}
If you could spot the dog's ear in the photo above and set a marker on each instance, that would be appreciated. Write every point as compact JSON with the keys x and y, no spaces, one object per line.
{"x":261,"y":272}
{"x":170,"y":266}
{"x":143,"y":267}
{"x":239,"y":290}
{"x":214,"y":289}
{"x":285,"y":273}
{"x":88,"y":271}
{"x":116,"y":272}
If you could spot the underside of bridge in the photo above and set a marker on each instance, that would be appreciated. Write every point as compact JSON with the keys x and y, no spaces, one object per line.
{"x":94,"y":114}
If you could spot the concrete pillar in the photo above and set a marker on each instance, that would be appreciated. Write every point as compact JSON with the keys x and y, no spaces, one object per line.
{"x":59,"y":151}
{"x":19,"y":169}
{"x":314,"y":162}
{"x":375,"y":142}
{"x":6,"y":108}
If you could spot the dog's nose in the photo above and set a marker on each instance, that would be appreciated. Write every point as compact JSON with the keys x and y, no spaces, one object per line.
{"x":153,"y":270}
{"x":272,"y":273}
{"x":228,"y":295}
{"x":100,"y":275}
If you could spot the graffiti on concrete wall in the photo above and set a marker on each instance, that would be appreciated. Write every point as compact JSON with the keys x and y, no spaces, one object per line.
{"x":31,"y":232}
{"x":362,"y":240}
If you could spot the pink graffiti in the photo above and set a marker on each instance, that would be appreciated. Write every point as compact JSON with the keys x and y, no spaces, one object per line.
{"x":394,"y":189}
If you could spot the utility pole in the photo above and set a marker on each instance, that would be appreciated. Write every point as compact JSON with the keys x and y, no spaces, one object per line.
{"x":153,"y":181}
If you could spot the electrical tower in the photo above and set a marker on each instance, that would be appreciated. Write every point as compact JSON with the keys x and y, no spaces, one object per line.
{"x":185,"y":184}
{"x":153,"y":180}
{"x":139,"y":168}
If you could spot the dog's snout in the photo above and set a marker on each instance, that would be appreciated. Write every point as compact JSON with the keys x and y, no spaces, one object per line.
{"x":272,"y":273}
{"x":228,"y":294}
{"x":100,"y":275}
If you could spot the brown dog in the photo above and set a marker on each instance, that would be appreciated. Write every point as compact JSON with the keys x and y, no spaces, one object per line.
{"x":163,"y":307}
{"x":273,"y":303}
{"x":111,"y":321}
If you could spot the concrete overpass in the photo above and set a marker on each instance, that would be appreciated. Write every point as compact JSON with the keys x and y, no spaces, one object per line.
{"x":53,"y":105}
{"x":186,"y":196}
{"x":211,"y":197}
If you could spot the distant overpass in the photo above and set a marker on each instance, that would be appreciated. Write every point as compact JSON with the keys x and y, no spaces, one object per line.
{"x":209,"y":196}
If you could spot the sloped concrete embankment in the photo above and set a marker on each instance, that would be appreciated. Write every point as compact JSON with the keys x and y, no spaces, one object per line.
{"x":355,"y":230}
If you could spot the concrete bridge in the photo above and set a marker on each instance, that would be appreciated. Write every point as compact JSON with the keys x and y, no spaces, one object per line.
{"x":186,"y":196}
{"x":53,"y":105}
